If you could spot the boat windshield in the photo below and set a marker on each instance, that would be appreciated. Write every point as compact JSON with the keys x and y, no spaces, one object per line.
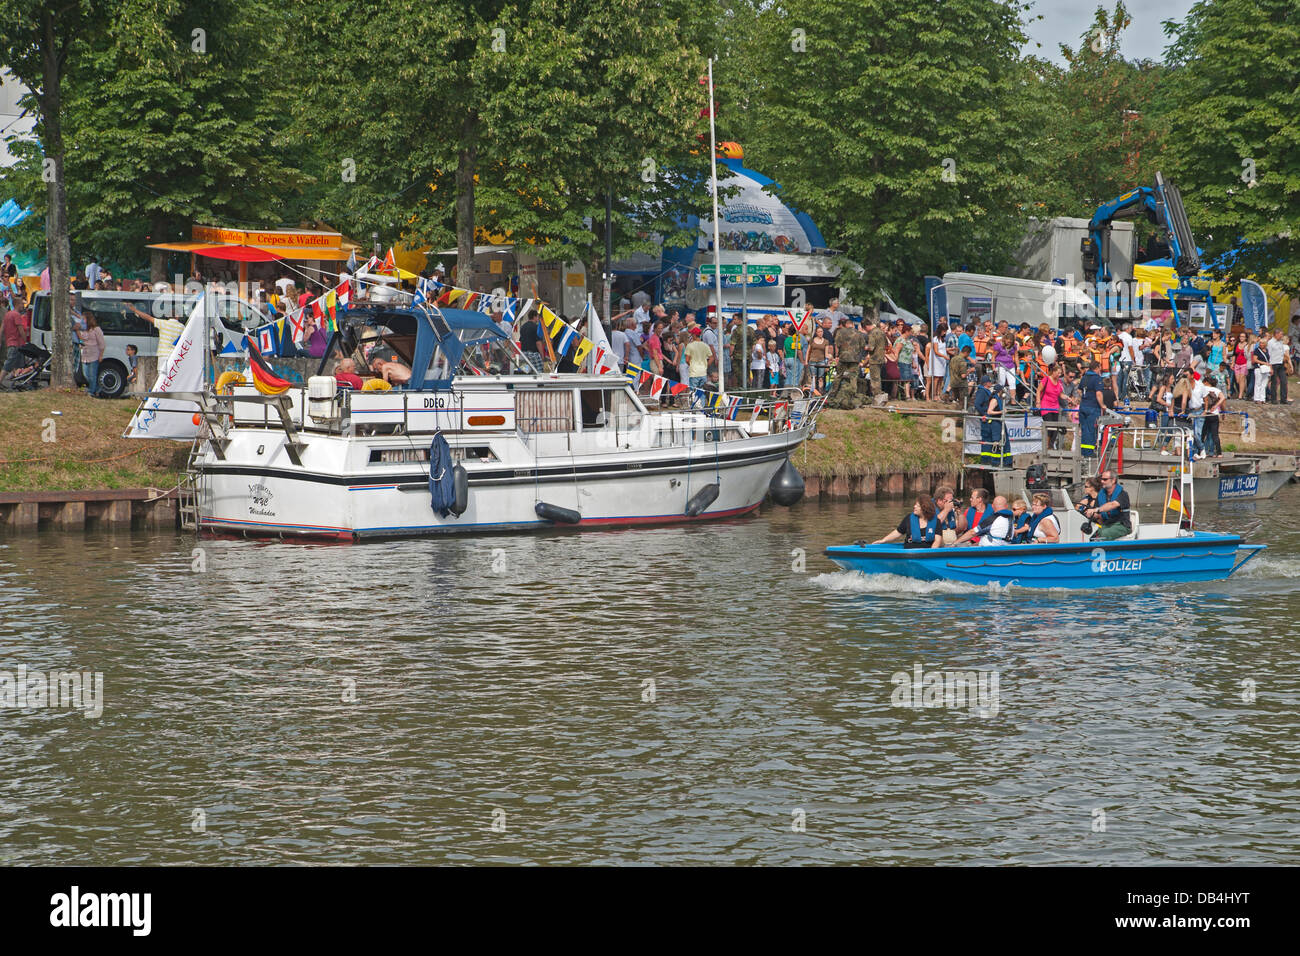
{"x":491,"y":356}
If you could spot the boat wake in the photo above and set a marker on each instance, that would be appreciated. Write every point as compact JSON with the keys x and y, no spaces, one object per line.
{"x":1267,"y":566}
{"x":858,"y":583}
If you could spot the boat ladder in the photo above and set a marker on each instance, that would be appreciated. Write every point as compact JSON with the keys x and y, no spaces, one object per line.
{"x":188,"y":491}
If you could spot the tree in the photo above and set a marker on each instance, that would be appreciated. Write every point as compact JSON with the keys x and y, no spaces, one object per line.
{"x":898,"y":131}
{"x":177,"y":116}
{"x":1106,"y":128}
{"x":508,"y":117}
{"x":35,"y":46}
{"x":1235,"y":134}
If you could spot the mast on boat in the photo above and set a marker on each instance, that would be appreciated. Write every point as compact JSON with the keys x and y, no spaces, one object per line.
{"x":717,"y":252}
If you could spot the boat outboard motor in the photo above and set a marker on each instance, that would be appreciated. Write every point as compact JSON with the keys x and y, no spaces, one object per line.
{"x":1036,"y":477}
{"x":557,"y":514}
{"x":702,"y":499}
{"x":787,"y":485}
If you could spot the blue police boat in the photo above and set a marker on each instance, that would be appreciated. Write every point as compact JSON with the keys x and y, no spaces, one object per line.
{"x":1147,"y":554}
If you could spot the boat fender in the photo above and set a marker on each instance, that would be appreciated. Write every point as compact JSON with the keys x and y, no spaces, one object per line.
{"x":557,"y":514}
{"x":787,"y":485}
{"x":461,"y":479}
{"x":702,"y":499}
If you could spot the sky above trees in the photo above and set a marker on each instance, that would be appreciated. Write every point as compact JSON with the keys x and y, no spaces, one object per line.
{"x":1064,"y":21}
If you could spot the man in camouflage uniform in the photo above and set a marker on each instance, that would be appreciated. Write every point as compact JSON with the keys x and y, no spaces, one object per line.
{"x":877,"y":347}
{"x":850,"y":345}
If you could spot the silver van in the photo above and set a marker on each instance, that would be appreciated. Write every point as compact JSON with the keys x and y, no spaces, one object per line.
{"x":122,"y":327}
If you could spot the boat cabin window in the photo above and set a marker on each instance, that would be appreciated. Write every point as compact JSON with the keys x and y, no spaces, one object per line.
{"x":544,"y":410}
{"x":595,"y":407}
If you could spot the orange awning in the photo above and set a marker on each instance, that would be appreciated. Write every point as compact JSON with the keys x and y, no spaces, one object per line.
{"x":290,"y":252}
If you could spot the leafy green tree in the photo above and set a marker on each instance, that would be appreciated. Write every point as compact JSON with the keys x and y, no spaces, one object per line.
{"x":516,"y":117}
{"x":1105,"y":130}
{"x":1235,"y":133}
{"x":34,"y":45}
{"x":900,"y":132}
{"x":177,"y":116}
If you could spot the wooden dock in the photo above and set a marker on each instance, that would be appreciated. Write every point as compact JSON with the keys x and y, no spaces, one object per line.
{"x":106,"y":510}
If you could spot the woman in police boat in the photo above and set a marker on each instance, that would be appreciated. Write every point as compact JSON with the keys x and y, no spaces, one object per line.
{"x":1043,"y":526}
{"x":920,"y":529}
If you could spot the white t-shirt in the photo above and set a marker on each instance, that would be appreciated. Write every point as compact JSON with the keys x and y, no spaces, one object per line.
{"x":617,"y":342}
{"x":283,"y":285}
{"x":1204,"y":395}
{"x":1277,"y":351}
{"x":997,"y":534}
{"x":641,"y":316}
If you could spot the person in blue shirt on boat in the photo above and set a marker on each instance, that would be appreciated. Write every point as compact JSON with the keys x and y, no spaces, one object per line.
{"x":1112,"y":511}
{"x":1091,"y":403}
{"x":920,"y":529}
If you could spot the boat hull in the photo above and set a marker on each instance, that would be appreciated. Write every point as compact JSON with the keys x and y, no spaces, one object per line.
{"x":1202,"y":556}
{"x":251,"y":494}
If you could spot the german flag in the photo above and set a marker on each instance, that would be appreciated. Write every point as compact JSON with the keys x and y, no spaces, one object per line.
{"x":264,"y":380}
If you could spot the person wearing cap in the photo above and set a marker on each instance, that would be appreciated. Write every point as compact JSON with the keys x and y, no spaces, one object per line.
{"x":698,"y":355}
{"x":995,"y":445}
{"x":1091,"y":402}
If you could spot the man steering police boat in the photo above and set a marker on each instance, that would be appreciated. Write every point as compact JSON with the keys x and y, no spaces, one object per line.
{"x":1112,"y":511}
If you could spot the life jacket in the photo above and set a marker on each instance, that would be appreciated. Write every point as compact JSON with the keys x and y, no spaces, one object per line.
{"x":1011,"y":524}
{"x":1110,"y":517}
{"x":1019,"y":525}
{"x":981,"y":346}
{"x":1035,"y":519}
{"x":1070,"y":346}
{"x":973,"y":520}
{"x":1101,"y":352}
{"x":949,"y":523}
{"x":931,"y":527}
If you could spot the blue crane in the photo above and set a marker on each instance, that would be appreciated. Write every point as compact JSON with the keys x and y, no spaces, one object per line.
{"x":1163,"y":206}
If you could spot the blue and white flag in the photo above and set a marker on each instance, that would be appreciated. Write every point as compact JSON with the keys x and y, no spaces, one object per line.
{"x":564,"y":344}
{"x":485,"y":303}
{"x":352,"y":263}
{"x":1254,"y":305}
{"x":509,"y":313}
{"x":419,"y":294}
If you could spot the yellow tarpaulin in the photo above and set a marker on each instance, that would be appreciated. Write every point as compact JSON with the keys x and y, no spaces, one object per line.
{"x":1158,"y":279}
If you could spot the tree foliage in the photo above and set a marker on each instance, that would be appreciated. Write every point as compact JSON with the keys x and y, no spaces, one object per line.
{"x":897,"y":130}
{"x":1106,"y":126}
{"x":1235,"y":133}
{"x":506,"y":117}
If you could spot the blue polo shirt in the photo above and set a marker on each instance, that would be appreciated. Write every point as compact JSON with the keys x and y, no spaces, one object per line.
{"x":965,"y":341}
{"x":1089,"y":388}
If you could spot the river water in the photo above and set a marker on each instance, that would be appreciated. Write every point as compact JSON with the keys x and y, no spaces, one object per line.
{"x":649,"y":696}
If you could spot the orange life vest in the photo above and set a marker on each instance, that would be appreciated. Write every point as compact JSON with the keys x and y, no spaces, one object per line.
{"x":981,"y":346}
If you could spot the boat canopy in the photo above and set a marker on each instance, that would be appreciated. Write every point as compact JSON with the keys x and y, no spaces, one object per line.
{"x":441,"y":343}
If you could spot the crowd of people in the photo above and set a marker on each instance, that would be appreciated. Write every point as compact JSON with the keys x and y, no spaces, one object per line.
{"x":939,"y":521}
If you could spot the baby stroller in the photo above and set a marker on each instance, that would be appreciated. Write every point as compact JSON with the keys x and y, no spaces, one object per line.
{"x":27,"y":376}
